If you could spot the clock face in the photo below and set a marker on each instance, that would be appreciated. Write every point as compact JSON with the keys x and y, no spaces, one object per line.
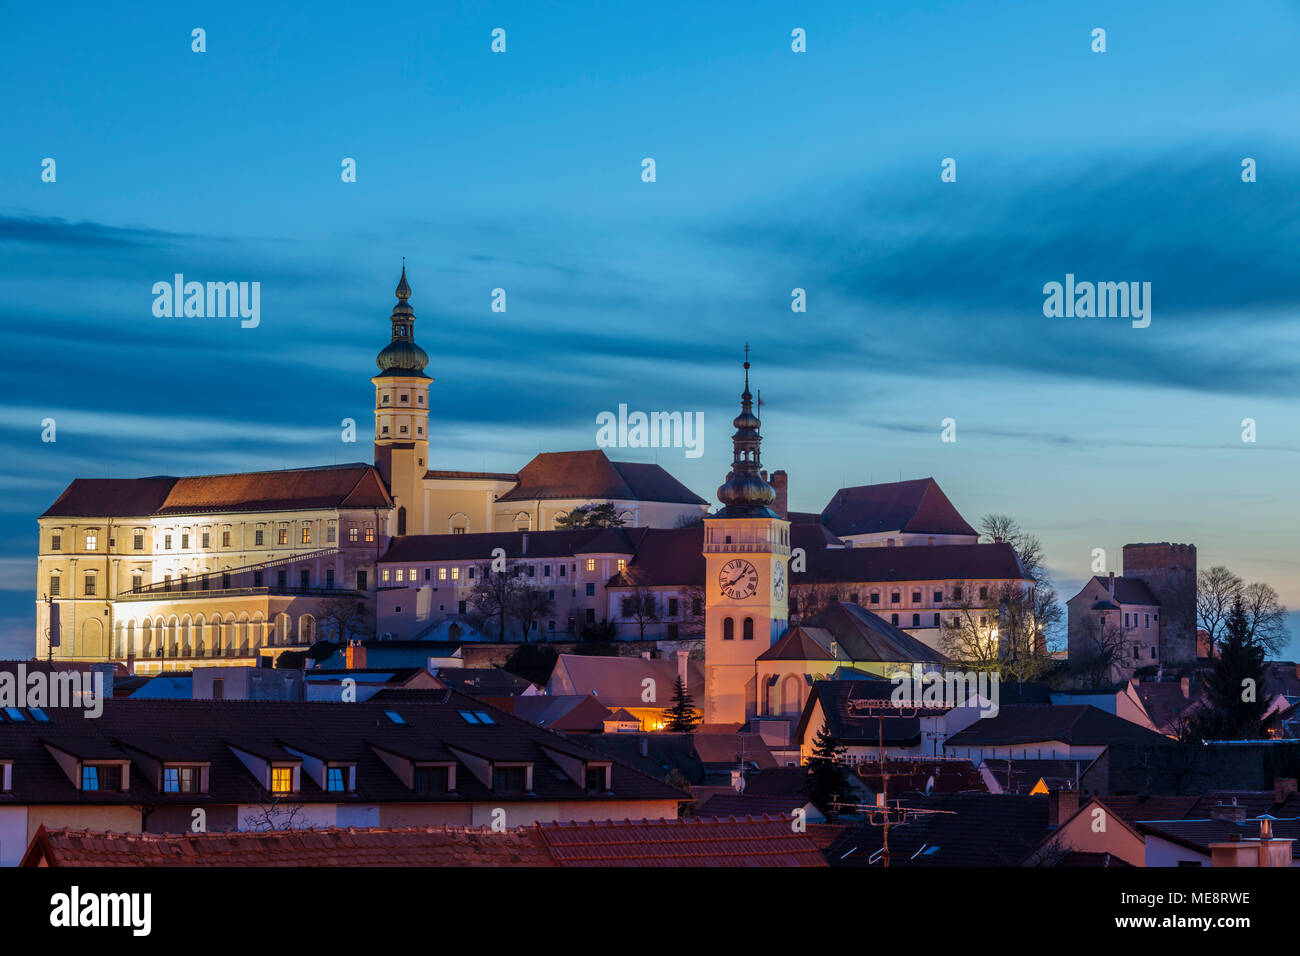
{"x":738,"y":579}
{"x":778,"y":583}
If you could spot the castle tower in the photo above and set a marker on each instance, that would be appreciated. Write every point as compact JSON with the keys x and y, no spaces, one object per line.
{"x":1169,"y":570}
{"x":746,"y":584}
{"x":402,"y":417}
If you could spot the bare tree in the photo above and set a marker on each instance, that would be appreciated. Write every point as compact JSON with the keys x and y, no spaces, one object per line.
{"x":528,"y":604}
{"x":1097,"y":649}
{"x":1266,"y":617}
{"x":807,"y":599}
{"x":691,"y":611}
{"x":1028,"y":548}
{"x":344,"y":619}
{"x":1216,"y":589}
{"x":490,"y":601}
{"x":642,"y":608}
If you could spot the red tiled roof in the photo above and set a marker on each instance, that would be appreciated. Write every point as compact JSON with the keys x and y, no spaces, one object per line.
{"x":665,"y":557}
{"x":748,"y":841}
{"x":539,"y":544}
{"x":477,"y":475}
{"x":719,"y":842}
{"x":916,"y":507}
{"x":940,"y":562}
{"x":591,"y":475}
{"x":341,"y":486}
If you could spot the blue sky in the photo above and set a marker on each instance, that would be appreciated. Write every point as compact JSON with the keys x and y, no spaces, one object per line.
{"x":775,"y":170}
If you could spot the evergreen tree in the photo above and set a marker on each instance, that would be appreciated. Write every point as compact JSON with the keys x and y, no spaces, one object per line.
{"x":682,"y":715}
{"x":1235,"y":684}
{"x":827,"y":774}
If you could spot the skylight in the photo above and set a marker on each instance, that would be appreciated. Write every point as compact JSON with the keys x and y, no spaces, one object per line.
{"x":38,"y":715}
{"x":394,"y":716}
{"x":15,"y":714}
{"x":469,"y":717}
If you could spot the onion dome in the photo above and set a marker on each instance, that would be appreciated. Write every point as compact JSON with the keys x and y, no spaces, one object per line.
{"x":402,"y":356}
{"x":745,"y":491}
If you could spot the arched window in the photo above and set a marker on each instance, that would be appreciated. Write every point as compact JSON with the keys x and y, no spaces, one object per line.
{"x":523,"y":521}
{"x":748,"y":634}
{"x":401,"y":520}
{"x":728,"y":629}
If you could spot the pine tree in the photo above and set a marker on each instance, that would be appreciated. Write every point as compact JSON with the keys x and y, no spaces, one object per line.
{"x":1234,"y":686}
{"x":827,"y":774}
{"x":682,"y":715}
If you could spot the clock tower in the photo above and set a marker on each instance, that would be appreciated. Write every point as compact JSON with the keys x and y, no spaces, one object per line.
{"x":746,"y":584}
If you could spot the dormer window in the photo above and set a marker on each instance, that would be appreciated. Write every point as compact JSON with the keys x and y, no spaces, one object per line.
{"x":511,"y":779}
{"x":340,"y":778}
{"x":433,"y":779}
{"x":598,"y":778}
{"x":182,"y":779}
{"x":282,"y":780}
{"x":96,"y":776}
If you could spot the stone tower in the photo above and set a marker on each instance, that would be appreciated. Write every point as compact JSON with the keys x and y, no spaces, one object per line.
{"x":1169,"y":570}
{"x":746,"y":583}
{"x":402,"y":417}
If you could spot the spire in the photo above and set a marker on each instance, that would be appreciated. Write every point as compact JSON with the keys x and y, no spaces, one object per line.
{"x":745,"y":491}
{"x":402,"y":356}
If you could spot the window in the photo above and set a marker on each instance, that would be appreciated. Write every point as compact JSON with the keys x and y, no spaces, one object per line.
{"x":562,"y":569}
{"x":206,"y":539}
{"x":167,"y":541}
{"x":893,"y":619}
{"x":282,"y":536}
{"x":916,"y":597}
{"x":259,"y":579}
{"x":352,"y":535}
{"x":956,"y":594}
{"x":984,"y":594}
{"x":137,"y":541}
{"x":56,"y":542}
{"x":92,"y":541}
{"x":330,"y":534}
{"x":546,"y":570}
{"x":336,"y":779}
{"x":394,"y":716}
{"x":282,"y":579}
{"x":591,"y":564}
{"x":895,"y":598}
{"x":622,"y":564}
{"x":218,"y":688}
{"x":281,"y":779}
{"x":259,"y":538}
{"x":469,"y":573}
{"x":39,"y":715}
{"x":460,"y":607}
{"x":180,"y":779}
{"x":916,"y":620}
{"x":54,"y":585}
{"x":370,"y":533}
{"x":361,"y":580}
{"x":728,"y":629}
{"x":697,"y":607}
{"x":938,"y":597}
{"x":442,"y":574}
{"x":431,"y":779}
{"x":936,"y":620}
{"x":185,"y":540}
{"x":225,"y":579}
{"x":591,"y":590}
{"x":672,"y":607}
{"x":1146,"y":620}
{"x":304,"y":580}
{"x":90,"y":584}
{"x":137,"y":580}
{"x":596,"y":779}
{"x":101,"y":777}
{"x":225,"y":539}
{"x":509,"y":779}
{"x":748,"y":630}
{"x":1126,"y":619}
{"x":306,"y":534}
{"x":398,"y":575}
{"x":329,"y":578}
{"x":455,"y":574}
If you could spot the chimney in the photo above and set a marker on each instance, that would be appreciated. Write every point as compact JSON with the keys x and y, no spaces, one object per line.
{"x":1112,"y":585}
{"x":682,"y":658}
{"x":355,"y":656}
{"x":1229,"y":812}
{"x":1186,"y":684}
{"x":524,"y":548}
{"x":1282,"y":788}
{"x":780,"y":484}
{"x":1061,"y":805}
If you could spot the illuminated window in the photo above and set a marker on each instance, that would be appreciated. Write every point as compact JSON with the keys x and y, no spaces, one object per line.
{"x":306,"y":535}
{"x":282,"y":536}
{"x":352,"y":535}
{"x":101,"y":777}
{"x":370,"y":533}
{"x":622,"y":563}
{"x":397,"y":575}
{"x":414,"y":575}
{"x":383,"y":575}
{"x":442,"y":574}
{"x":591,"y":564}
{"x":92,"y":541}
{"x":281,"y":779}
{"x":455,"y":574}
